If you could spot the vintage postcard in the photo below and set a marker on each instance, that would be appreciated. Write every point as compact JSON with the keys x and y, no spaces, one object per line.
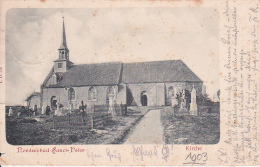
{"x":124,"y":83}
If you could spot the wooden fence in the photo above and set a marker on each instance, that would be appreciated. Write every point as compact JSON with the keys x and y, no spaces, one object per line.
{"x":98,"y":119}
{"x":88,"y":121}
{"x":213,"y":110}
{"x":203,"y":111}
{"x":95,"y":119}
{"x":120,"y":109}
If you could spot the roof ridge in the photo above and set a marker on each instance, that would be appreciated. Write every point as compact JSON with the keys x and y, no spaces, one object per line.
{"x":98,"y":63}
{"x":120,"y":62}
{"x":154,"y":61}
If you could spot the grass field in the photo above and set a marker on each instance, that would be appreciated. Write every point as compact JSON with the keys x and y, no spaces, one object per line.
{"x":190,"y":129}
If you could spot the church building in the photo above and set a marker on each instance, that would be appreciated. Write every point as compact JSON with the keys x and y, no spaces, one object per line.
{"x":134,"y":84}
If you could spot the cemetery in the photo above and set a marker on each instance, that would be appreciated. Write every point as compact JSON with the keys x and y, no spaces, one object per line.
{"x":42,"y":129}
{"x":185,"y":122}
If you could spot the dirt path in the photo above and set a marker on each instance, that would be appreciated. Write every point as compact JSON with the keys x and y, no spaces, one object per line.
{"x":148,"y":131}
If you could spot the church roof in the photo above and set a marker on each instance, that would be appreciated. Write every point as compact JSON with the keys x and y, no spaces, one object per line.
{"x":90,"y":74}
{"x":115,"y":72}
{"x":158,"y":71}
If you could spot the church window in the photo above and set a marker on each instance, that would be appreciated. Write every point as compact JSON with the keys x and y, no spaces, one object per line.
{"x":59,"y":65}
{"x":170,"y":92}
{"x":92,"y":93}
{"x":71,"y":94}
{"x":111,"y":90}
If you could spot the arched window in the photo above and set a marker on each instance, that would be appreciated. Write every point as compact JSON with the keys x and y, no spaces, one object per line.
{"x":92,"y":93}
{"x":111,"y":90}
{"x":71,"y":94}
{"x":53,"y":102}
{"x":170,"y":92}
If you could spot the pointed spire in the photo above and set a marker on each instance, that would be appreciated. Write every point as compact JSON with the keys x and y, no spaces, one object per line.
{"x":63,"y":39}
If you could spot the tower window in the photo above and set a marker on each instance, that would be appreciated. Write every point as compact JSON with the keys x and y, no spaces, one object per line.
{"x":59,"y":65}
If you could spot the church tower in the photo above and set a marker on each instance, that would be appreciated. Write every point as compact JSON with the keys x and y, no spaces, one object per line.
{"x":62,"y":64}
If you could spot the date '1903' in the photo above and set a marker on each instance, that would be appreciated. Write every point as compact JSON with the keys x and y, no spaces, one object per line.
{"x":196,"y":159}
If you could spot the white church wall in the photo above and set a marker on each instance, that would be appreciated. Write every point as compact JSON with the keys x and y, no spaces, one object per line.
{"x":60,"y":93}
{"x":160,"y":94}
{"x":137,"y":89}
{"x":121,"y":95}
{"x":81,"y":94}
{"x":177,"y":88}
{"x":35,"y":100}
{"x":62,"y":68}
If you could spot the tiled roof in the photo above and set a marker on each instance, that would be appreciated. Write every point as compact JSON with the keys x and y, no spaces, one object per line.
{"x":158,"y":71}
{"x":90,"y":74}
{"x":116,"y":72}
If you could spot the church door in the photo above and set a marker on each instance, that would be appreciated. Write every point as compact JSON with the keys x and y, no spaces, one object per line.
{"x":144,"y":98}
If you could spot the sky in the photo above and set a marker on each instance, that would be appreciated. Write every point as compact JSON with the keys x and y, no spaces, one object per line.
{"x":96,"y":35}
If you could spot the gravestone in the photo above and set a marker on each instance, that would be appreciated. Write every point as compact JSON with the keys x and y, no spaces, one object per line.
{"x":183,"y":107}
{"x":11,"y":112}
{"x":71,"y":107}
{"x":43,"y":110}
{"x":58,"y":111}
{"x":193,"y":104}
{"x":174,"y":101}
{"x":111,"y":105}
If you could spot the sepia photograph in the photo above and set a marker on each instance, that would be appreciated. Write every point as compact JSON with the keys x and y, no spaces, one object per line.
{"x":100,"y":76}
